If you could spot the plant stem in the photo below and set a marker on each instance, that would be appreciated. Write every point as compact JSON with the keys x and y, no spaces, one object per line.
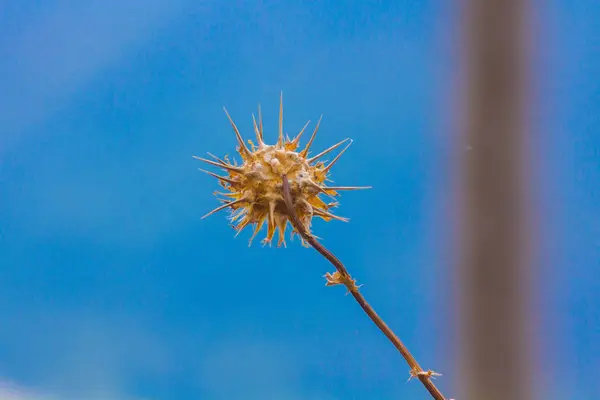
{"x":346,"y":279}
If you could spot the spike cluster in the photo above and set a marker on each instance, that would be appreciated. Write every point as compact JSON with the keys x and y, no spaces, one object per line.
{"x":255,"y":187}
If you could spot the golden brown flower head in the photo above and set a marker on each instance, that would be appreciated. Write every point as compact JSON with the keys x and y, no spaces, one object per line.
{"x":254,"y":189}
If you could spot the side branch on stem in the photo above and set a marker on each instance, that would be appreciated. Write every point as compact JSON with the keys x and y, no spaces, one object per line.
{"x":341,"y":276}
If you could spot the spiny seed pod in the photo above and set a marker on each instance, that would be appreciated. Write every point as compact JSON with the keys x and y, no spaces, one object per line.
{"x":255,"y":187}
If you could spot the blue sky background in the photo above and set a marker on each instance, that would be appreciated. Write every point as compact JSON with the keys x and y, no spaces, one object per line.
{"x":112,"y":288}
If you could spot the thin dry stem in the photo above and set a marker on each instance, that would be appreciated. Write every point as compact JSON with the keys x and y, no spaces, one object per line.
{"x":343,"y":277}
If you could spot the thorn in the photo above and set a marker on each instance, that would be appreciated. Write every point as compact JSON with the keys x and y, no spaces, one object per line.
{"x":338,"y":279}
{"x":336,"y":158}
{"x":230,"y":181}
{"x":271,"y":226}
{"x":224,"y":206}
{"x":260,"y":125}
{"x":230,"y":195}
{"x":297,"y":138}
{"x":304,"y":152}
{"x":227,"y":167}
{"x":320,"y":212}
{"x":429,"y":374}
{"x":237,"y":134}
{"x":321,"y":154}
{"x":257,"y":229}
{"x":242,"y":224}
{"x":257,"y":132}
{"x":280,"y":138}
{"x":320,"y":189}
{"x":347,"y":187}
{"x":216,"y":158}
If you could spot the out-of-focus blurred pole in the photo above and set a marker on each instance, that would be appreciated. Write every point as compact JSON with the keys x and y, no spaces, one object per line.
{"x":493,"y":306}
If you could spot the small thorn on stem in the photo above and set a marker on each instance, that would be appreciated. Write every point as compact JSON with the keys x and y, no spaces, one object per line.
{"x":429,"y":374}
{"x":339,"y":279}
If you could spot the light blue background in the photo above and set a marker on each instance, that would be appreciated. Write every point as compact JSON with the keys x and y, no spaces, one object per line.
{"x":112,"y":288}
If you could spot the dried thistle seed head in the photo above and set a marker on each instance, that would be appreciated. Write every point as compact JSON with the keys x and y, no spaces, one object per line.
{"x":254,"y":188}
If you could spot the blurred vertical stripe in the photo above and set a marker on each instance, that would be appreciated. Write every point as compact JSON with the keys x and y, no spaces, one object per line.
{"x":494,"y":268}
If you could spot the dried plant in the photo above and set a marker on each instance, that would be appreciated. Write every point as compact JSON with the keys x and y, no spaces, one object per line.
{"x":277,"y":184}
{"x":254,"y":192}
